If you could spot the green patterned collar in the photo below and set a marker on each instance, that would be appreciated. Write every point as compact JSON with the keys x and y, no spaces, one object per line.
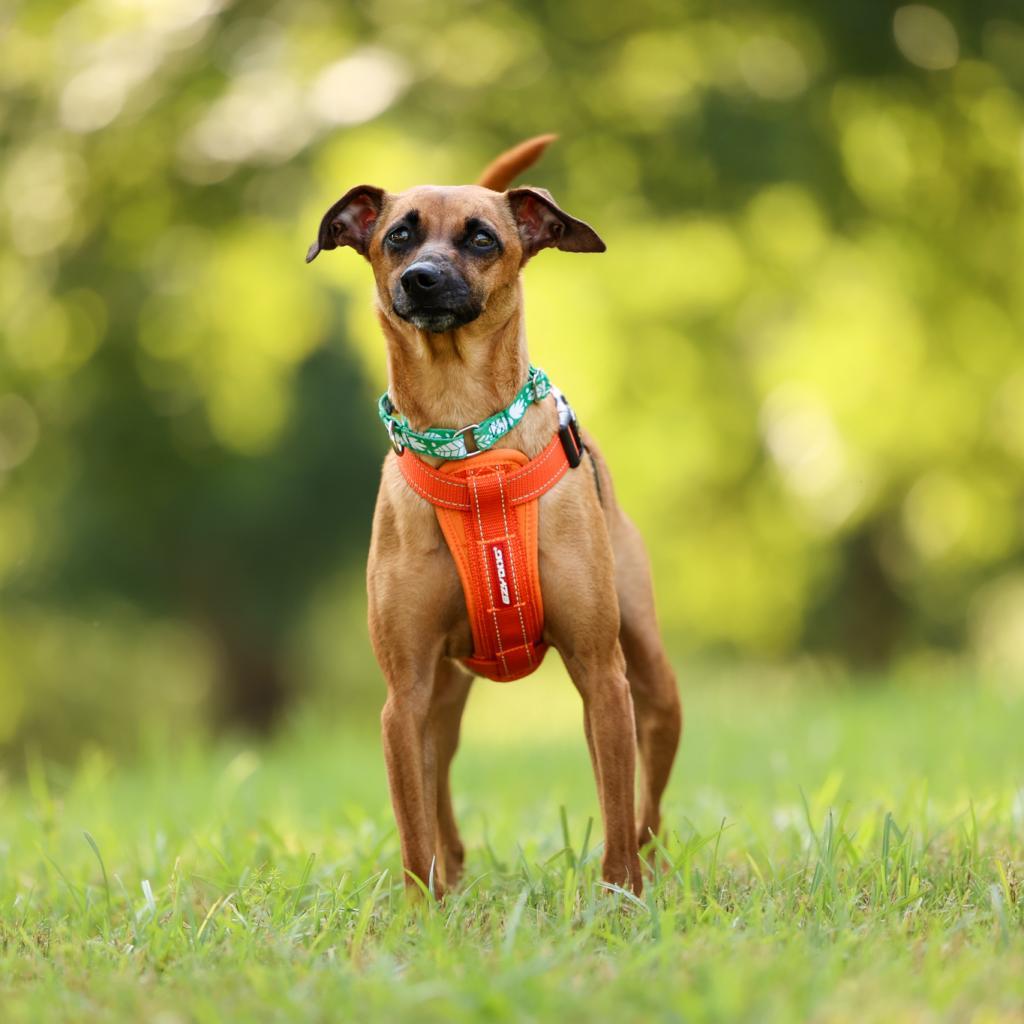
{"x":444,"y":443}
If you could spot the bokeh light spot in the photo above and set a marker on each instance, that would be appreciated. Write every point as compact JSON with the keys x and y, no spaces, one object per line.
{"x":359,"y":87}
{"x":773,"y":68}
{"x":19,"y":430}
{"x":926,"y":37}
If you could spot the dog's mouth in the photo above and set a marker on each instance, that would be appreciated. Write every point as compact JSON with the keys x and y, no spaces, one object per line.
{"x":435,"y":319}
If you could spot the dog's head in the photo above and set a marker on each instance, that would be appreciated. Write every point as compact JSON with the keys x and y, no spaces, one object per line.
{"x":442,"y":256}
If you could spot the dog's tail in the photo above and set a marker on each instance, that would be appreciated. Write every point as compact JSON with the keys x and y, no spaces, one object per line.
{"x":502,"y":171}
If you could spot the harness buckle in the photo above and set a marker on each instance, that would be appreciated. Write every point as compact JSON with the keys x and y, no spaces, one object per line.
{"x":568,"y":429}
{"x":570,"y":438}
{"x":468,"y":437}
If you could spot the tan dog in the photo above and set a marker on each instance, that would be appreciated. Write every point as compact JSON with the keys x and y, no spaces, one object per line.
{"x":447,"y":263}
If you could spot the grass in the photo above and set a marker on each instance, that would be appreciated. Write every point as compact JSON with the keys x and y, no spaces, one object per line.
{"x":834,"y":855}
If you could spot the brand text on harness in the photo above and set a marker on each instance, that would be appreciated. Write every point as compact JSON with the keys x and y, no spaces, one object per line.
{"x":499,"y":568}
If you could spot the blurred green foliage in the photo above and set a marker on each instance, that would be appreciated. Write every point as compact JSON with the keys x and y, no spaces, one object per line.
{"x":802,"y":352}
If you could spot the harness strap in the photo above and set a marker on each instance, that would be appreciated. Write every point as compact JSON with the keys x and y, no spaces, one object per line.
{"x":444,"y":489}
{"x":487,"y":508}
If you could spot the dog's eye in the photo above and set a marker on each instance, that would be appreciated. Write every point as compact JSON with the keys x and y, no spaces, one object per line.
{"x":482,"y":240}
{"x":399,"y":236}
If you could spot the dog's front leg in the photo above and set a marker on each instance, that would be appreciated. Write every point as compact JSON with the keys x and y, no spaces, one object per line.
{"x":410,"y":756}
{"x":600,"y":678}
{"x":414,"y":595}
{"x":582,"y":621}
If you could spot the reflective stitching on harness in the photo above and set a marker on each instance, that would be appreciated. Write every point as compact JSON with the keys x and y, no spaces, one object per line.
{"x":512,"y":565}
{"x":539,"y":463}
{"x":436,"y":501}
{"x":541,"y":489}
{"x":487,"y":572}
{"x":531,"y":467}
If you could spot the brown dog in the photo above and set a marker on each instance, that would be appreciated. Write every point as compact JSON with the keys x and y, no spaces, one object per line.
{"x":447,"y":262}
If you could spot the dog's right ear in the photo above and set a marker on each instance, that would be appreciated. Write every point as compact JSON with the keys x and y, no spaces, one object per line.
{"x":543,"y":224}
{"x":350,"y":221}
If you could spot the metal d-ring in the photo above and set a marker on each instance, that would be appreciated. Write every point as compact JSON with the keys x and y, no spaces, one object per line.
{"x":395,"y":443}
{"x":467,"y":432}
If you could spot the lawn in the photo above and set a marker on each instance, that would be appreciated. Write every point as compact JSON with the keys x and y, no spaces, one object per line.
{"x":835,"y":853}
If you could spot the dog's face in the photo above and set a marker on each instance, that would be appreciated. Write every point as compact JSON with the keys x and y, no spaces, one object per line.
{"x":440,"y":255}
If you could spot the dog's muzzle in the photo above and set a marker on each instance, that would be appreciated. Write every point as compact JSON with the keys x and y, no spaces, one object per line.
{"x":434,"y":296}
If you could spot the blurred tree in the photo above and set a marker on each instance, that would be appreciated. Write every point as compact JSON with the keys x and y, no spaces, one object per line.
{"x":202,"y":451}
{"x":802,"y":351}
{"x":231,"y":542}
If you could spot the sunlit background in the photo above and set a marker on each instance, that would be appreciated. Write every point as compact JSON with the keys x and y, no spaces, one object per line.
{"x":802,"y":352}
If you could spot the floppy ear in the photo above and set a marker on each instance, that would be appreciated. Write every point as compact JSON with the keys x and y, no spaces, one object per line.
{"x":350,"y":221}
{"x":542,"y":224}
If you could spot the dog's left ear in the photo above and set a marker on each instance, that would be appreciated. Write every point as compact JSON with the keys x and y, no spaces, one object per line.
{"x":350,"y":221}
{"x":543,"y":224}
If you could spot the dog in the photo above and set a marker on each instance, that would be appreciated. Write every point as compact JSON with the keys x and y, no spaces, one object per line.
{"x":447,"y":264}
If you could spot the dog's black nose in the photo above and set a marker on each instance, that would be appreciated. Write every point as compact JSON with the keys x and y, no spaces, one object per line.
{"x":421,"y":279}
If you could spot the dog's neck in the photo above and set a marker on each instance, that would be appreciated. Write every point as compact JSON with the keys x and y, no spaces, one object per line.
{"x":458,"y":377}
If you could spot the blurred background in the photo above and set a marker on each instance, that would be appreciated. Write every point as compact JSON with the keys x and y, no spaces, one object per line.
{"x":802,"y":352}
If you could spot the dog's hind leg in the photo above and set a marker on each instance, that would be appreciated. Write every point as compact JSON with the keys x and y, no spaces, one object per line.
{"x":451,"y":688}
{"x":656,"y":705}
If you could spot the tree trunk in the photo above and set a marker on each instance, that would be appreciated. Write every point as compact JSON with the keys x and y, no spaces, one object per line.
{"x":252,"y":688}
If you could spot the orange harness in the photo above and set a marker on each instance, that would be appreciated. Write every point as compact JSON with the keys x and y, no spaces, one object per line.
{"x":487,"y":507}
